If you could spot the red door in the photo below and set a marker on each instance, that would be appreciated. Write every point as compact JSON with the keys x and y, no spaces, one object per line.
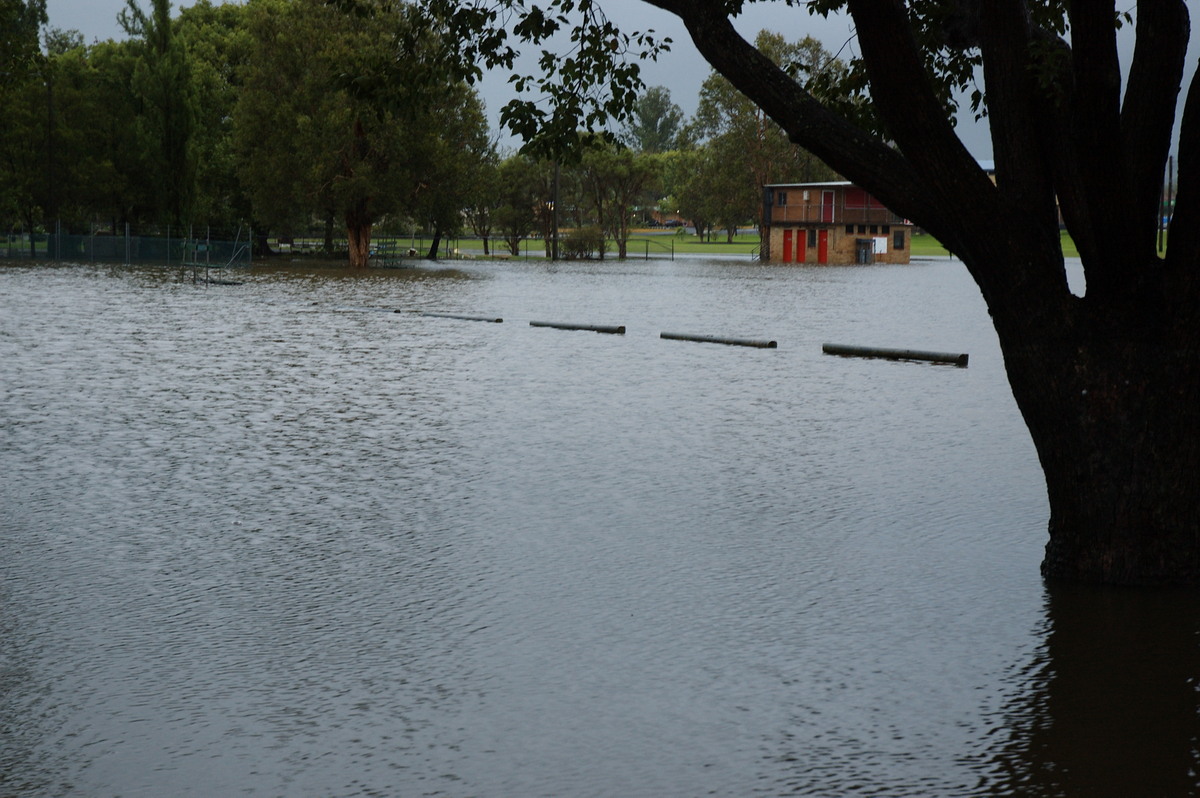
{"x":823,"y":246}
{"x":801,"y":246}
{"x":787,"y":246}
{"x":827,"y":207}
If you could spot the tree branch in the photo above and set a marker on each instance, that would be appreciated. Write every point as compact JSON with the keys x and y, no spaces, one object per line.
{"x":1183,"y":253}
{"x":1022,"y":135}
{"x":1148,"y":114}
{"x":903,"y":96}
{"x":970,"y":205}
{"x":859,"y":156}
{"x":1095,"y":133}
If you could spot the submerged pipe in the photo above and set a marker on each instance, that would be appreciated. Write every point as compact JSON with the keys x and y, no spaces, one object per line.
{"x":713,"y":339}
{"x":491,"y":319}
{"x":216,"y":281}
{"x":959,"y":360}
{"x":600,"y":328}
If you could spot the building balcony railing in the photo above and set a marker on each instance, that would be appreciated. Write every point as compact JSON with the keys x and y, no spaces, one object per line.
{"x":814,"y":213}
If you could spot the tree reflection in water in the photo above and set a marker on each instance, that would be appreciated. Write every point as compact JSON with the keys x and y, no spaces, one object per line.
{"x":1113,"y":707}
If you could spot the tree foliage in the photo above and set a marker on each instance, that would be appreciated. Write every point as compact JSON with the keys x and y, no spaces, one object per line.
{"x":218,"y":45}
{"x":484,"y":198}
{"x":655,"y":122}
{"x":370,"y":131}
{"x":20,"y":24}
{"x":720,"y":192}
{"x":587,"y":67}
{"x":120,"y":189}
{"x":524,"y":187}
{"x":166,"y":107}
{"x":615,"y":182}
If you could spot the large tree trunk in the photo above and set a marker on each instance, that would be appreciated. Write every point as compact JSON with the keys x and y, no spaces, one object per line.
{"x":328,"y":242}
{"x":1121,"y":467}
{"x":27,"y":221}
{"x":358,"y":236}
{"x":1113,"y":408}
{"x":358,"y":216}
{"x":436,"y":244}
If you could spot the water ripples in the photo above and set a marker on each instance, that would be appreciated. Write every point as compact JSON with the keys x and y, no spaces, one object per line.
{"x":293,"y":538}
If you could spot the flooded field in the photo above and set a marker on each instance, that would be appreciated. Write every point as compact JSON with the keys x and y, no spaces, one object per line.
{"x":293,"y":538}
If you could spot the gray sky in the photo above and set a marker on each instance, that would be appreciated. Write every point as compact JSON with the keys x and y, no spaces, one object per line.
{"x":681,"y":71}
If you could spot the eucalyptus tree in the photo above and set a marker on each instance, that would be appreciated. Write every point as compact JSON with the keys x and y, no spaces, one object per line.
{"x":280,"y":118}
{"x":519,"y":195}
{"x":688,"y":181}
{"x":720,"y":190}
{"x":1108,"y":382}
{"x":447,"y":173}
{"x":482,"y":201}
{"x":615,"y":182}
{"x":655,"y":123}
{"x":349,"y":109}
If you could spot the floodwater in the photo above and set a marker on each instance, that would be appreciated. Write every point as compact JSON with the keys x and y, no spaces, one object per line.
{"x":276,"y":539}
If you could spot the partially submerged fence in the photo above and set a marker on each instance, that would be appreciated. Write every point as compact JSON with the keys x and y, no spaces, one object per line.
{"x":168,"y":246}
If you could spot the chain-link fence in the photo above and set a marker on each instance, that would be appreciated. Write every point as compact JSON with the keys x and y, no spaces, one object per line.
{"x":167,"y":245}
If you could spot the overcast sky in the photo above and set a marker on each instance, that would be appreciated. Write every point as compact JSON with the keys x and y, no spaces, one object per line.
{"x":681,"y":71}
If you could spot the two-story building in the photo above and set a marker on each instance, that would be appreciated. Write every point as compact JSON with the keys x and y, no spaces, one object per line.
{"x":835,"y":222}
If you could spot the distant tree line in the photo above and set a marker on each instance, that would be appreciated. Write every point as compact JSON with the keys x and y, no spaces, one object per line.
{"x":295,"y":116}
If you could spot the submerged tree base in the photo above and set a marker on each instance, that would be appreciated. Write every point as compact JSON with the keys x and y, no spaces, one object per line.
{"x":1115,"y":416}
{"x":1141,"y":557}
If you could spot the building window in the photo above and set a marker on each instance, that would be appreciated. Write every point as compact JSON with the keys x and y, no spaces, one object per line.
{"x":898,"y":241}
{"x":886,"y":229}
{"x":781,"y":198}
{"x":874,"y":229}
{"x":862,"y":229}
{"x":849,"y":229}
{"x":812,"y":238}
